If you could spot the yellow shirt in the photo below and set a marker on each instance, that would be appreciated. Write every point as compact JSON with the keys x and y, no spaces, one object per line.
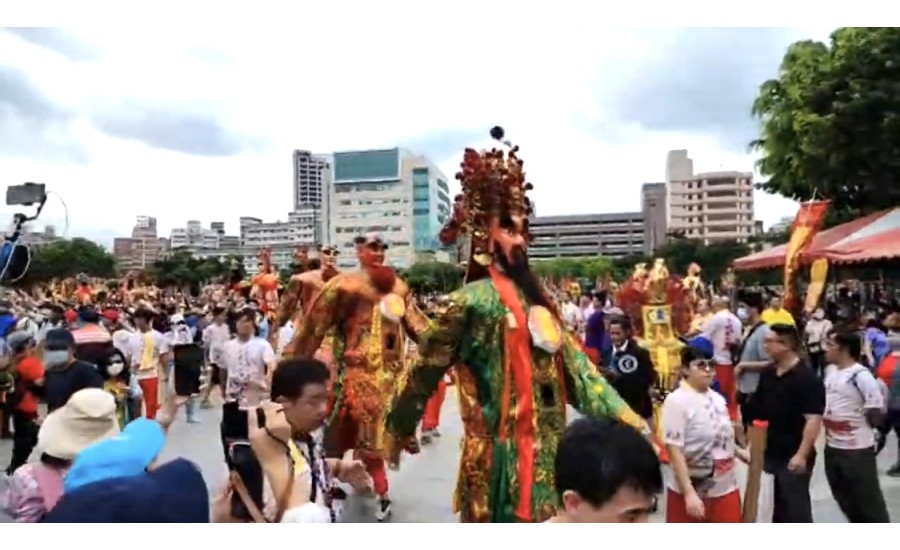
{"x":779,"y":317}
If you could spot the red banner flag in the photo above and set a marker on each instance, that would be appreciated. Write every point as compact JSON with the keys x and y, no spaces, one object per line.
{"x":807,"y":224}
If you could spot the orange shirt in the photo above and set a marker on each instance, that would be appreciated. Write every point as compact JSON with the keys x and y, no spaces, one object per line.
{"x":29,"y":370}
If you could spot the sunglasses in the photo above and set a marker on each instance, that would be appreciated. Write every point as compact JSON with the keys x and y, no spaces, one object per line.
{"x":702,"y":364}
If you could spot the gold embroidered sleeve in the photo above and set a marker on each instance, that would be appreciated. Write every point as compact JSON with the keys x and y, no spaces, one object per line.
{"x":593,"y":394}
{"x":437,"y":351}
{"x":415,"y":322}
{"x":318,"y":321}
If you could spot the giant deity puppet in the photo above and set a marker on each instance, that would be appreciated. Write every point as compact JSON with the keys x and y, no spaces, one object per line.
{"x":264,"y":285}
{"x":659,"y":307}
{"x":368,"y":313}
{"x":516,"y":366}
{"x":307,"y":281}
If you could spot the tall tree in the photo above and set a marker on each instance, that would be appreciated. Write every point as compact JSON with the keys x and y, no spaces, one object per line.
{"x":831,"y":122}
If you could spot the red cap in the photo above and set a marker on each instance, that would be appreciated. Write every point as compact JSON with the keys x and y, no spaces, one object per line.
{"x":71,"y":316}
{"x":111,"y":315}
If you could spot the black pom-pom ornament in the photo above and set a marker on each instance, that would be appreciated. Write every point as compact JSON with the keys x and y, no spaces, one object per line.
{"x":497,"y":133}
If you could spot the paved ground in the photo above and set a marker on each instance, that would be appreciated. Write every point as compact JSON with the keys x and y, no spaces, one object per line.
{"x":423,"y":487}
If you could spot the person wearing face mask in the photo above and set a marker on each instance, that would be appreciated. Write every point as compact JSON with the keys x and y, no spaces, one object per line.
{"x":817,"y":328}
{"x":64,"y":374}
{"x":116,"y":382}
{"x":752,"y":355}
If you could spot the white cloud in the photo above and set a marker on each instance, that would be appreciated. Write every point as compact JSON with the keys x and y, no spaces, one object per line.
{"x":369,"y":86}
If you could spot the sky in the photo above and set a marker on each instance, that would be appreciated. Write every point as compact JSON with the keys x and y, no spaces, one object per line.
{"x":121,"y":121}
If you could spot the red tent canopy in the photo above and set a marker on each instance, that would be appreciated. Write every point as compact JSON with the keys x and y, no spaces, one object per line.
{"x":871,"y":237}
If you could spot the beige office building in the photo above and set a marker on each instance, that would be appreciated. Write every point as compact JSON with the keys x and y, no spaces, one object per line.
{"x":713,"y":206}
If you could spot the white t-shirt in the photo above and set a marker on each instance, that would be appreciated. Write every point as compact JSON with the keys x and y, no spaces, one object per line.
{"x":849,"y":392}
{"x":723,"y":329}
{"x":246,"y":364}
{"x":136,"y":353}
{"x":214,"y":338}
{"x":121,"y":338}
{"x":285,"y":335}
{"x":572,"y":316}
{"x":698,"y":423}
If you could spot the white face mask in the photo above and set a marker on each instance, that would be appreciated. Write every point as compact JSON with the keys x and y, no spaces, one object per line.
{"x":818,"y":314}
{"x":743,"y":314}
{"x":115,"y":368}
{"x":56,"y":358}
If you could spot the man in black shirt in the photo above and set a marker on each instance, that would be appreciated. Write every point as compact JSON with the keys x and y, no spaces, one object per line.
{"x":629,"y":368}
{"x":792,"y":399}
{"x":64,"y":375}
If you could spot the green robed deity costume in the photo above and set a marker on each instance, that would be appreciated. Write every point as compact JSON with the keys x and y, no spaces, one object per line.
{"x":517,"y":367}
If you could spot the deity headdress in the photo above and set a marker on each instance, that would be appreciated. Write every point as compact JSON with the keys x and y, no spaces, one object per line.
{"x":493,"y":185}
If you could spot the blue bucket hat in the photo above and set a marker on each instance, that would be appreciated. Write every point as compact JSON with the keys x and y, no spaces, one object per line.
{"x":127,"y":454}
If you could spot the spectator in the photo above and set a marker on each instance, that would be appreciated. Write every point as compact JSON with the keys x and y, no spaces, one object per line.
{"x":752,"y":356}
{"x":35,"y":488}
{"x":28,"y":380}
{"x":776,"y":314}
{"x":629,"y":368}
{"x":853,"y":407}
{"x":606,"y":472}
{"x":173,"y":493}
{"x":699,"y":437}
{"x":792,"y":399}
{"x":817,"y":329}
{"x":723,"y":329}
{"x":92,"y":342}
{"x":64,"y":374}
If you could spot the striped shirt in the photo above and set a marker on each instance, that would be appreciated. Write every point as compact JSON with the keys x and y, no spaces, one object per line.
{"x":91,"y":333}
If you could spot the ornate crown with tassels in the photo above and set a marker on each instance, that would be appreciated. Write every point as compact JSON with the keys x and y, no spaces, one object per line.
{"x":493,"y":184}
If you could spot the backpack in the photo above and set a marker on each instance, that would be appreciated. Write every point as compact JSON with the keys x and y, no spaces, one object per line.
{"x":882,"y":387}
{"x":11,"y":390}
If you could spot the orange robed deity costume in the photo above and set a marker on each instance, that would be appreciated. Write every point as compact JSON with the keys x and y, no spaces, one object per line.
{"x":516,"y":366}
{"x":367,"y":312}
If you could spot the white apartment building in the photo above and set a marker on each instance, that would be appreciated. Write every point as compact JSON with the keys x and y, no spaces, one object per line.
{"x":194,"y":237}
{"x":711,"y":206}
{"x":393,"y":192}
{"x":302,"y":228}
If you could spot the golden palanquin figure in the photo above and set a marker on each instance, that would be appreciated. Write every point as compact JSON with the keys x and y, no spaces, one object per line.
{"x":660,"y":309}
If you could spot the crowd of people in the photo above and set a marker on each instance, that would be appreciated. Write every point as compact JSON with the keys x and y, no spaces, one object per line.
{"x":324,"y":387}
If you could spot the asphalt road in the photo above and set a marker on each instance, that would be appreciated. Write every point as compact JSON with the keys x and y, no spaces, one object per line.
{"x":423,"y":487}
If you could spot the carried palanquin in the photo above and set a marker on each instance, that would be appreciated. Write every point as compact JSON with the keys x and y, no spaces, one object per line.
{"x":659,"y":306}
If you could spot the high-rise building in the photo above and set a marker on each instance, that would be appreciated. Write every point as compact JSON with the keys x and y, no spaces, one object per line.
{"x":586,"y":236}
{"x":402,"y":196}
{"x":653,"y":210}
{"x":312,"y":174}
{"x":712,"y":206}
{"x":143,"y":248}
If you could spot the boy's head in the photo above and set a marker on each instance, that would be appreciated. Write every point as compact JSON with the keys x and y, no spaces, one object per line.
{"x":606,"y":472}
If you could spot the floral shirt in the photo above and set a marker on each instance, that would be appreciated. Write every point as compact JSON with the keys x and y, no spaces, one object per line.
{"x":33,"y":491}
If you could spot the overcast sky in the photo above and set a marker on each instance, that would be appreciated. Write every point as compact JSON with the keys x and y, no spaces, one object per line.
{"x":185,"y":125}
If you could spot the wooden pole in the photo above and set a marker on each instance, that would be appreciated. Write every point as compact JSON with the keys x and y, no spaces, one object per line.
{"x":757,"y":437}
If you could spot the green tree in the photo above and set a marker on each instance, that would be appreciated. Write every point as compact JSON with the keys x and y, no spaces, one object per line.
{"x":831,"y":122}
{"x":183,"y":269}
{"x":578,"y":268}
{"x":68,"y":258}
{"x":429,"y":276}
